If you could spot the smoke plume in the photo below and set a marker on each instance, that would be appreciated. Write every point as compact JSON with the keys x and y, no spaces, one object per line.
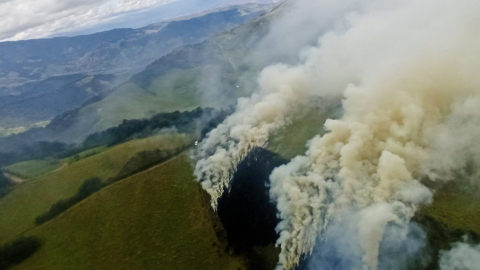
{"x":461,"y":256}
{"x":407,"y":73}
{"x":402,"y":246}
{"x":282,"y":91}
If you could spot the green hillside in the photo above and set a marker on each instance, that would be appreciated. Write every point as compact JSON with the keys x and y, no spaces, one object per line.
{"x":19,"y":209}
{"x":292,"y":140}
{"x":454,"y":213}
{"x":175,"y":91}
{"x":161,"y":219}
{"x":457,"y":206}
{"x":84,"y":154}
{"x":158,"y":219}
{"x":32,"y":168}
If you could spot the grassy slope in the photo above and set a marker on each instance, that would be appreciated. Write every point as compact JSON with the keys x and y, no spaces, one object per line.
{"x":19,"y":209}
{"x":157,"y":219}
{"x":33,"y":168}
{"x":36,"y":168}
{"x":457,"y":207}
{"x":292,"y":140}
{"x":175,"y":91}
{"x":85,"y":154}
{"x":454,"y":213}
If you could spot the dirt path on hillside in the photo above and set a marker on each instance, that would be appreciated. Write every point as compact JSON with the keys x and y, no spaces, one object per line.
{"x":15,"y":179}
{"x":19,"y":180}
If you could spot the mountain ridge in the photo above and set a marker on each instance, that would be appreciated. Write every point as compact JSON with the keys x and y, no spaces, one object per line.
{"x":122,"y":52}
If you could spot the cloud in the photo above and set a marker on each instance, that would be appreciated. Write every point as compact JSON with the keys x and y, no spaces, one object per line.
{"x":27,"y":19}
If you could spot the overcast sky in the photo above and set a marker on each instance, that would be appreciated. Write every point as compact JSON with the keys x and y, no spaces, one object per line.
{"x":28,"y":19}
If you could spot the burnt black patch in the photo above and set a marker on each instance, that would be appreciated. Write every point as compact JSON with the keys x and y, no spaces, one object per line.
{"x":246,"y":211}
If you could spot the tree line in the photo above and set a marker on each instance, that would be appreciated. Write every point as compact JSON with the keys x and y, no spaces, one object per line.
{"x":199,"y":121}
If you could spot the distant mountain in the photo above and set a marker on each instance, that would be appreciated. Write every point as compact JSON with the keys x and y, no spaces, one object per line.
{"x":38,"y":103}
{"x":211,"y":74}
{"x":116,"y":51}
{"x":180,"y":80}
{"x":37,"y":76}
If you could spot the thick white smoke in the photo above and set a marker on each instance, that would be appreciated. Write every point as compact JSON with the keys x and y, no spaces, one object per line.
{"x":401,"y":245}
{"x":249,"y":127}
{"x":461,"y":257}
{"x":408,"y":73}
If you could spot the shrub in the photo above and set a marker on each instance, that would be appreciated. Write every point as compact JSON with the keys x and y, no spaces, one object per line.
{"x":55,"y":210}
{"x":189,"y":121}
{"x":18,"y":251}
{"x":145,"y":159}
{"x":88,"y":187}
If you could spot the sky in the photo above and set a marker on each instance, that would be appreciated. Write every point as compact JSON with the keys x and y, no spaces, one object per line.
{"x":30,"y":19}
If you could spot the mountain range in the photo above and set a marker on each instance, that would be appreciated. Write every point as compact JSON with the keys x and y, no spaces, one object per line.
{"x":31,"y":70}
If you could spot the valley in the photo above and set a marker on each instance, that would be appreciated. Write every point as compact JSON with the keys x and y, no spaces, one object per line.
{"x":289,"y":135}
{"x":46,"y":83}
